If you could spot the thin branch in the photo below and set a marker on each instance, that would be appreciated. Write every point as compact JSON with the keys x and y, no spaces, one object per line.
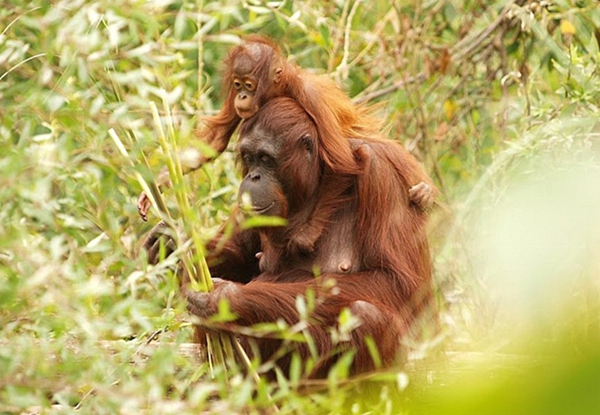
{"x":378,"y":30}
{"x":200,"y":60}
{"x":338,"y":35}
{"x":8,"y":26}
{"x":39,"y":55}
{"x":419,"y":78}
{"x":342,"y":68}
{"x":464,"y":49}
{"x":469,"y":45}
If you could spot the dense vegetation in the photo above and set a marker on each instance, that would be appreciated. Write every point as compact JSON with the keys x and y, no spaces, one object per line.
{"x":498,"y":99}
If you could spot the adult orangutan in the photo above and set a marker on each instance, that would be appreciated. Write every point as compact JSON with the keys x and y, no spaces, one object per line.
{"x":370,"y":257}
{"x":256,"y":72}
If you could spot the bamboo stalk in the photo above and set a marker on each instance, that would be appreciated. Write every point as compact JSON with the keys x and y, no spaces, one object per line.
{"x":196,"y":267}
{"x":220,"y":347}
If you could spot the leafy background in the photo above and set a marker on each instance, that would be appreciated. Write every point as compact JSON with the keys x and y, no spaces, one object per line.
{"x":499,"y":100}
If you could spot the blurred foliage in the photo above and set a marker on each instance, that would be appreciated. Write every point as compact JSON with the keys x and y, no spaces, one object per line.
{"x":498,"y":99}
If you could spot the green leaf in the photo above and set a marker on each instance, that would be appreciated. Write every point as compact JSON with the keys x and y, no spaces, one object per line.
{"x":260,"y":221}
